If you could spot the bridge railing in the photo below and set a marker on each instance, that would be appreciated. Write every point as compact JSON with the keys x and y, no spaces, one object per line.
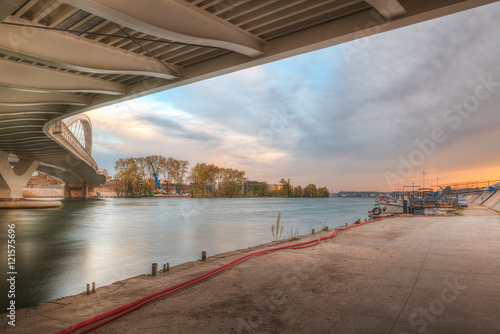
{"x":64,"y":135}
{"x":104,"y":172}
{"x":471,"y":186}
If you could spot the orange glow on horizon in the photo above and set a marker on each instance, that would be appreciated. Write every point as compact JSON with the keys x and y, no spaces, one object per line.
{"x":437,"y":177}
{"x":491,"y":173}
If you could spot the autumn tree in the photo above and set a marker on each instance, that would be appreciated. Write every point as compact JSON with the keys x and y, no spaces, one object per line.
{"x":311,"y":191}
{"x":260,"y":189}
{"x":230,"y":182}
{"x":323,"y":192}
{"x":209,"y":180}
{"x":182,"y":172}
{"x":286,"y":188}
{"x":298,"y":192}
{"x":198,"y":178}
{"x":212,"y":174}
{"x":168,"y":172}
{"x":129,"y":179}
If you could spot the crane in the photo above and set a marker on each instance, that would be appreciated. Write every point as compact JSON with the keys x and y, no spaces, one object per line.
{"x":156,"y":177}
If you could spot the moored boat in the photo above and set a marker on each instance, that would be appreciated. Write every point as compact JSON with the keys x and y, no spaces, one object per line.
{"x":161,"y":195}
{"x":423,"y":203}
{"x":388,"y":205}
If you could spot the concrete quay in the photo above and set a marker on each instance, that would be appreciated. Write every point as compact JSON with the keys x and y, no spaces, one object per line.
{"x":401,"y":275}
{"x":29,"y":204}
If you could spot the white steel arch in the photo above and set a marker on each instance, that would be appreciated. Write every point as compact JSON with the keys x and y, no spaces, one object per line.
{"x":81,"y":127}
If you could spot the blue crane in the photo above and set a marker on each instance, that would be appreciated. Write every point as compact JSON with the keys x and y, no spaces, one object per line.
{"x":156,"y":176}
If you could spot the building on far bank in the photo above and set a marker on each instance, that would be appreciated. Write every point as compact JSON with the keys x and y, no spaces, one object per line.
{"x":272,"y":187}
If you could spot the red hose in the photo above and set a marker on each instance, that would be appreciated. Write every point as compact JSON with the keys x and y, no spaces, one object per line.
{"x":314,"y":244}
{"x":104,"y":318}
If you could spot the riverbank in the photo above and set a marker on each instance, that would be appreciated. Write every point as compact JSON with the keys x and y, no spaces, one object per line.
{"x":438,"y":274}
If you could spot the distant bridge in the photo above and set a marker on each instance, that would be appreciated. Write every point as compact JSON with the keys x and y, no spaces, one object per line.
{"x":65,"y":152}
{"x":59,"y":58}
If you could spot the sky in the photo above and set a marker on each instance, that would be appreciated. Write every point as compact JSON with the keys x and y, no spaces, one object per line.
{"x":371,"y":114}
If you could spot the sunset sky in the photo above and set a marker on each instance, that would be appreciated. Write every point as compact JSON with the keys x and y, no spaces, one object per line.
{"x":358,"y":116}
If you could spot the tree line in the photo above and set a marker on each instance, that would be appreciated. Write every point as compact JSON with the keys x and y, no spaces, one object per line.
{"x":134,"y":178}
{"x":261,"y":189}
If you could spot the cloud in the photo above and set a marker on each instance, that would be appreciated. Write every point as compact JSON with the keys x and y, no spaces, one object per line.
{"x":175,"y":128}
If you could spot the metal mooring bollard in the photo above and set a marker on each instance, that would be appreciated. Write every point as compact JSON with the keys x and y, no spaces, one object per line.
{"x":203,"y":255}
{"x":93,"y":287}
{"x":154,"y":269}
{"x":346,"y":224}
{"x":168,"y":266}
{"x":312,"y":231}
{"x":88,"y":289}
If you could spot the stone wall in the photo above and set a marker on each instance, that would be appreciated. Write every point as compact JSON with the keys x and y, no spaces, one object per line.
{"x":42,"y":193}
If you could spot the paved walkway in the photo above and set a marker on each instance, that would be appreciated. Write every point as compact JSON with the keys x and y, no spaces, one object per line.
{"x":403,"y":275}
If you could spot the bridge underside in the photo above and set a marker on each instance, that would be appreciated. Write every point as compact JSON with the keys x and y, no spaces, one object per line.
{"x":15,"y":173}
{"x":59,"y":58}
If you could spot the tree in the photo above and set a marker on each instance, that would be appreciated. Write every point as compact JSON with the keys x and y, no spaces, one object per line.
{"x":323,"y":192}
{"x":142,"y":163}
{"x":182,"y":172}
{"x":212,"y":175}
{"x":198,"y":179}
{"x":213,"y":181}
{"x":275,"y":193}
{"x":310,"y":191}
{"x":230,"y":182}
{"x":286,"y":189}
{"x":167,"y":172}
{"x":260,"y":189}
{"x":298,"y":192}
{"x":129,"y":179}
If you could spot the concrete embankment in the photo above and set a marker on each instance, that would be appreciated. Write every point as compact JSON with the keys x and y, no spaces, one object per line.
{"x":487,"y":199}
{"x":401,"y":275}
{"x":58,"y":193}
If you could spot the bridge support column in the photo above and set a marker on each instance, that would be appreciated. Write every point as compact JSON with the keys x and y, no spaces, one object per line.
{"x":13,"y":179}
{"x":85,"y":192}
{"x":67,"y":191}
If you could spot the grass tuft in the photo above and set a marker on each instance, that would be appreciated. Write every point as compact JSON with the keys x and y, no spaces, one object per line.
{"x":277,"y":230}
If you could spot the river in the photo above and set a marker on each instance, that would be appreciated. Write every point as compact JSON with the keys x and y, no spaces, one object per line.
{"x":60,"y":250}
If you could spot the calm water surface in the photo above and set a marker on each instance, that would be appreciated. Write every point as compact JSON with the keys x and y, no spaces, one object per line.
{"x":59,"y":251}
